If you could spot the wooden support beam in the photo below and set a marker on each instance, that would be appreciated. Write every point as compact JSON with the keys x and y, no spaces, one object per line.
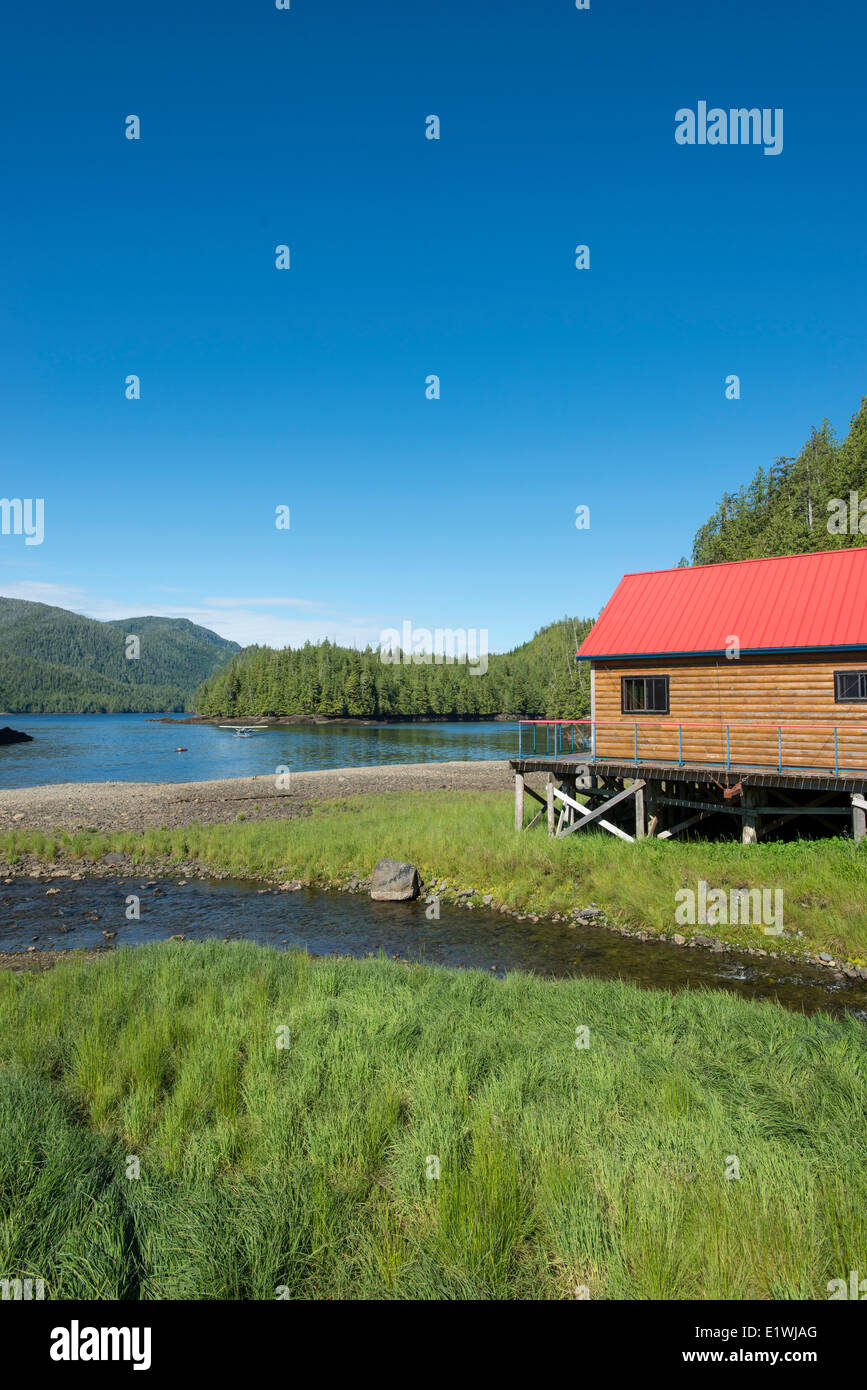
{"x":811,"y":808}
{"x":570,"y":801}
{"x":526,"y":790}
{"x":769,"y":801}
{"x":788,"y":800}
{"x":519,"y":801}
{"x":615,"y":830}
{"x":599,"y":812}
{"x":653,"y":817}
{"x":749,"y":820}
{"x":687,"y":804}
{"x":684,"y":825}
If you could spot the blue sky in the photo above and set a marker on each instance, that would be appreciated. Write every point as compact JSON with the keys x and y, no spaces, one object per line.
{"x":409,"y":257}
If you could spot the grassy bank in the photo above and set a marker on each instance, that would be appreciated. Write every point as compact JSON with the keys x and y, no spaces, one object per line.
{"x":468,"y":840}
{"x":306,"y":1167}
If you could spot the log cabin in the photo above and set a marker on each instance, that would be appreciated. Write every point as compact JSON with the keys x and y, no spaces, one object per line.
{"x":724,"y":698}
{"x":748,"y":664}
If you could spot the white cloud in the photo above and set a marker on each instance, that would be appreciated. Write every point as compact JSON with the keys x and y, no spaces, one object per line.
{"x":34,"y":591}
{"x":234,"y":618}
{"x":238,"y":619}
{"x":245,"y":625}
{"x":307,"y":603}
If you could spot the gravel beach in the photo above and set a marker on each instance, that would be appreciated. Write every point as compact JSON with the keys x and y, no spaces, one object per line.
{"x":149,"y":805}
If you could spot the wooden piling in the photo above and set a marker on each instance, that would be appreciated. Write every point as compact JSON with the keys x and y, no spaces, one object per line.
{"x":749,"y":819}
{"x":639,"y":814}
{"x":653,"y":808}
{"x":519,"y":800}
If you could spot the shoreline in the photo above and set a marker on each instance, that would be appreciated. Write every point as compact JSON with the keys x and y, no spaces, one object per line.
{"x":138,"y":806}
{"x":267,"y":721}
{"x":133,"y":808}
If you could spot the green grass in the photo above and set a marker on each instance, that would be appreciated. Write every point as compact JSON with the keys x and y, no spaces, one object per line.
{"x":305,"y":1167}
{"x":469,"y":840}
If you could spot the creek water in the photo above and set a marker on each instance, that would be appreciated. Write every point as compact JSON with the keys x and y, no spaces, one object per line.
{"x":63,"y":914}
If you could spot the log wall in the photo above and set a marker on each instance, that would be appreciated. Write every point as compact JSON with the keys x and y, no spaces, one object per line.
{"x":780,"y":690}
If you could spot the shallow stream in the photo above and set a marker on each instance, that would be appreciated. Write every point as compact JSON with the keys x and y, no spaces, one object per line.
{"x":61,"y":914}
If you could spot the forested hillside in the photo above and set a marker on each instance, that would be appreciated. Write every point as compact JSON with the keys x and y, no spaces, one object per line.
{"x":538,"y":678}
{"x":785,"y":509}
{"x":54,"y":662}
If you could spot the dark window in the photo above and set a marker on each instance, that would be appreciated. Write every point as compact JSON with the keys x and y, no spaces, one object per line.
{"x":850,"y":687}
{"x":644,"y":694}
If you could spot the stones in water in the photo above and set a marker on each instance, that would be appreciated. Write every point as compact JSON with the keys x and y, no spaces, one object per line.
{"x":8,"y":735}
{"x":394,"y":882}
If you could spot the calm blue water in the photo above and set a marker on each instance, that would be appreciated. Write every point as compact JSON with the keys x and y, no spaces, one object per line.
{"x":127,"y":748}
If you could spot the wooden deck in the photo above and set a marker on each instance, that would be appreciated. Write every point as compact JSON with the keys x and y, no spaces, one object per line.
{"x":802,"y":779}
{"x":636,"y":799}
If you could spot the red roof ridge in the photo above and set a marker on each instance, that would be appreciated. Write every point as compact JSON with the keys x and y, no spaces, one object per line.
{"x":752,"y":560}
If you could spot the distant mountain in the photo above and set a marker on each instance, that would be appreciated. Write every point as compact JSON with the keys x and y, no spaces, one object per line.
{"x":56,"y":662}
{"x":539,"y":677}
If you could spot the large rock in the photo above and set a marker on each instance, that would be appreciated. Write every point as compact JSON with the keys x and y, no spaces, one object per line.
{"x":8,"y":735}
{"x":394,"y":882}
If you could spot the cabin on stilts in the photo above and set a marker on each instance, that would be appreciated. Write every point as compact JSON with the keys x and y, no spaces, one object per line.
{"x":730,"y":697}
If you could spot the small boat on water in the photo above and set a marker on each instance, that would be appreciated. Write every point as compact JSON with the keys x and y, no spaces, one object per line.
{"x":182,"y":750}
{"x":242,"y":730}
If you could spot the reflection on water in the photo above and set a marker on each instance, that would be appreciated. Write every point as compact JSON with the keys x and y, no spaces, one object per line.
{"x":130,"y":748}
{"x":79,"y":914}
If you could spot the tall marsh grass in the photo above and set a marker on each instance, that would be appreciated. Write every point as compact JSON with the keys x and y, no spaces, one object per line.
{"x":304,"y":1168}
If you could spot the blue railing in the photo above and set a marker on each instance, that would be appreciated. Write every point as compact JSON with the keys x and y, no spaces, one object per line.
{"x":654,"y":741}
{"x":561,"y":739}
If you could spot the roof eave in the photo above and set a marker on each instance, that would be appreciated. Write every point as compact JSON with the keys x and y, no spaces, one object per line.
{"x":718,"y":651}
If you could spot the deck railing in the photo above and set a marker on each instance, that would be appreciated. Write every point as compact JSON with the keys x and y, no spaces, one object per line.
{"x":837,"y":748}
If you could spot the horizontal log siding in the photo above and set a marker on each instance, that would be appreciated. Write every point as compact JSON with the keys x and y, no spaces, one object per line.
{"x":780,"y":690}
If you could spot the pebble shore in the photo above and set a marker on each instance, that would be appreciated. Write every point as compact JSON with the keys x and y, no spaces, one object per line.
{"x":151,"y":805}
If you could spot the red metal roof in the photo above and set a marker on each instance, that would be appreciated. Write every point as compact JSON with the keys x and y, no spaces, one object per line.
{"x":789,"y":603}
